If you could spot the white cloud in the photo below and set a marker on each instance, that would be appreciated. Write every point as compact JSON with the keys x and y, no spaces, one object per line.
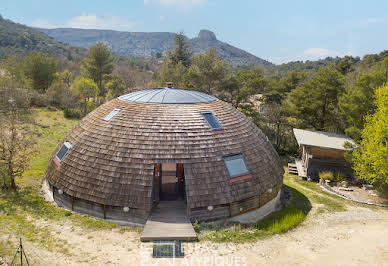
{"x":92,"y":21}
{"x":179,"y":4}
{"x":41,"y":23}
{"x":316,"y":53}
{"x":368,"y":21}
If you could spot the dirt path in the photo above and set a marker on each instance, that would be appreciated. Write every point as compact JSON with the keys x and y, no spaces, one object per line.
{"x":357,"y":236}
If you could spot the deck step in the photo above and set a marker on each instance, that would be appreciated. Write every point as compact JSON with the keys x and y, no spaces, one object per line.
{"x":292,"y":169}
{"x":169,"y":221}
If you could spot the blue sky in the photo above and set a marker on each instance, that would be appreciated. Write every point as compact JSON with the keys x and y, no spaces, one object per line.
{"x":279,"y":31}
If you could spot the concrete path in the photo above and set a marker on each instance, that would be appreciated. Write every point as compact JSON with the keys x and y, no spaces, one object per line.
{"x":168,"y":221}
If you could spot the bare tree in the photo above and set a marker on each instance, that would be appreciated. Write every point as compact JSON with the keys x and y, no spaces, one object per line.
{"x":17,"y":143}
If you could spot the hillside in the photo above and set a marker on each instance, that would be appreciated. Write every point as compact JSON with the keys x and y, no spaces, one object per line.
{"x":19,"y":39}
{"x":146,"y":44}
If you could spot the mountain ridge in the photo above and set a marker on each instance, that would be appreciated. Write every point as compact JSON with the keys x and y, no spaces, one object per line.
{"x":148,"y":44}
{"x":17,"y":38}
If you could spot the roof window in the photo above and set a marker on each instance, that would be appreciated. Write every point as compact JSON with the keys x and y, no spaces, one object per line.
{"x":236,"y":165}
{"x":212,"y":120}
{"x":111,"y":114}
{"x":63,"y":150}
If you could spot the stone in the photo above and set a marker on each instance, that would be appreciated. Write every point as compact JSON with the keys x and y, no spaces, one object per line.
{"x":366,"y":187}
{"x":345,"y":189}
{"x":207,"y":35}
{"x":344,"y":184}
{"x":372,"y":193}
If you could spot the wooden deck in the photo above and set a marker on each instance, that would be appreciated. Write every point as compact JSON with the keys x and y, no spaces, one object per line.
{"x":168,"y":221}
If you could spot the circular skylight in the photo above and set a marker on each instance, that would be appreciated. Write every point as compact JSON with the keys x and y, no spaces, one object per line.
{"x":168,"y":96}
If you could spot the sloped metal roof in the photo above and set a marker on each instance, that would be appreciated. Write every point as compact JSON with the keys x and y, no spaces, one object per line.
{"x":168,"y":96}
{"x":321,"y":139}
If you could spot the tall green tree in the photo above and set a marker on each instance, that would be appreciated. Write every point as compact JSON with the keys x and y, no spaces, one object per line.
{"x":357,"y":101}
{"x":276,"y":90}
{"x":371,"y":157}
{"x":39,"y":70}
{"x":314,"y":104}
{"x":171,"y":73}
{"x":182,"y":51}
{"x":98,"y":64}
{"x":207,"y":71}
{"x":238,"y":87}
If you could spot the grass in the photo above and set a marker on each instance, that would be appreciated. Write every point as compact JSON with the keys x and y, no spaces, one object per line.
{"x":20,"y":211}
{"x":280,"y":222}
{"x":304,"y":195}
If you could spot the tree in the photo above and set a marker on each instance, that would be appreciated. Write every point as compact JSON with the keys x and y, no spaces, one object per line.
{"x":17,"y":143}
{"x":86,"y":89}
{"x":128,"y":74}
{"x":171,"y":73}
{"x":67,"y":78}
{"x":276,"y":90}
{"x":207,"y":71}
{"x":39,"y":70}
{"x":98,"y":64}
{"x":314,"y":104}
{"x":182,"y":51}
{"x":239,"y":87}
{"x":116,"y":86}
{"x":371,"y":157}
{"x":357,"y":102}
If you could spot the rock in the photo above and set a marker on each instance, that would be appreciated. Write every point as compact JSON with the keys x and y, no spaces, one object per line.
{"x":2,"y":261}
{"x":366,"y":187}
{"x":344,"y":184}
{"x":345,"y":189}
{"x":207,"y":35}
{"x":372,"y":193}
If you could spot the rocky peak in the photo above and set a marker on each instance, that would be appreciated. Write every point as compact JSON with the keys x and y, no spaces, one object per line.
{"x":207,"y":35}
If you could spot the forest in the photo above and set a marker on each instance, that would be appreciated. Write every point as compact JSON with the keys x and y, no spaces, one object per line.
{"x":343,"y":95}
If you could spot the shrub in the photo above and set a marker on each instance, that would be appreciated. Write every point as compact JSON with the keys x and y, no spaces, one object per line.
{"x":40,"y":100}
{"x":72,"y":113}
{"x":327,"y":175}
{"x":339,"y":177}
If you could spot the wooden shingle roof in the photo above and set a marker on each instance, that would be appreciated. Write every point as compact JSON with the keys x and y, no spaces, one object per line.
{"x":112,"y":162}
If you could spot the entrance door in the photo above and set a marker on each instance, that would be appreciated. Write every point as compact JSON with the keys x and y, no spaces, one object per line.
{"x":172,"y":182}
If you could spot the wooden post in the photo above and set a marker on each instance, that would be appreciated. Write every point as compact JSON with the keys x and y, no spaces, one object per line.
{"x":104,"y":212}
{"x":72,"y":203}
{"x":230,"y":209}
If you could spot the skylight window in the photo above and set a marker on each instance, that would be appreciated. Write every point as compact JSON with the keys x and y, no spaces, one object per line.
{"x":111,"y":114}
{"x":63,"y":150}
{"x":236,"y":165}
{"x":212,"y":120}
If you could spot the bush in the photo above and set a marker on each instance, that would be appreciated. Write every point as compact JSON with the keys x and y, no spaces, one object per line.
{"x":72,"y":113}
{"x":339,"y":177}
{"x":40,"y":100}
{"x":326,"y":176}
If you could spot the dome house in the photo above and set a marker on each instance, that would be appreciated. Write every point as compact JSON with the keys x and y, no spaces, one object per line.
{"x":164,"y":144}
